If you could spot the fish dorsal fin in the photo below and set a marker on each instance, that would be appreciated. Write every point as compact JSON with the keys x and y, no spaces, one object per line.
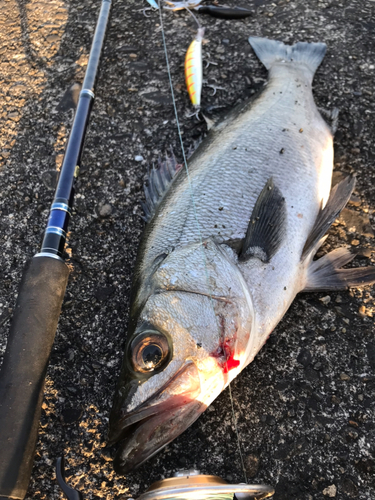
{"x":267,"y":225}
{"x":337,"y":200}
{"x":325,"y":273}
{"x":157,"y":184}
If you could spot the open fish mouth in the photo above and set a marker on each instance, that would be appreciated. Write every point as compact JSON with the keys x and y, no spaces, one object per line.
{"x":157,"y":421}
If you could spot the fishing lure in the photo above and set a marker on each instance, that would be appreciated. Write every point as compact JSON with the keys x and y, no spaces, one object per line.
{"x":184,"y":4}
{"x":153,"y":4}
{"x":194,"y":69}
{"x":212,"y":10}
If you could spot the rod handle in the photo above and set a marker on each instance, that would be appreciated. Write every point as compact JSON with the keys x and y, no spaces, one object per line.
{"x":24,"y":368}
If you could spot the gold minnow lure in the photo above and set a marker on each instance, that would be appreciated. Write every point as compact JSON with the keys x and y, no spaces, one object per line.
{"x":194,"y":69}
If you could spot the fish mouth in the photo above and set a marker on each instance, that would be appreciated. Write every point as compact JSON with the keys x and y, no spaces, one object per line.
{"x":144,"y":431}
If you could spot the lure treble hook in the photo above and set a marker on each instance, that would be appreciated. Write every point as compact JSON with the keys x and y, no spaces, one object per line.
{"x":69,"y":492}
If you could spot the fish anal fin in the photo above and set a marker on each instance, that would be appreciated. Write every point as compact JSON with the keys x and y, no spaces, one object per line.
{"x":337,"y":200}
{"x":267,"y":225}
{"x":325,"y":274}
{"x":157,"y":184}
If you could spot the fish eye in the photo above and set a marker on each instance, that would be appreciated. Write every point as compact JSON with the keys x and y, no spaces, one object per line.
{"x":149,"y":351}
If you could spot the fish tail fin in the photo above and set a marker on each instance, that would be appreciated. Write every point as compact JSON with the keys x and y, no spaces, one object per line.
{"x":271,"y":51}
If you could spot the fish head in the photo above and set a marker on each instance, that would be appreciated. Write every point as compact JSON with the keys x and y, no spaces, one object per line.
{"x":185,"y":349}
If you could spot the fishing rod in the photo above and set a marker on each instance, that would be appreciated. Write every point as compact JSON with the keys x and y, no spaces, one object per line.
{"x":39,"y":302}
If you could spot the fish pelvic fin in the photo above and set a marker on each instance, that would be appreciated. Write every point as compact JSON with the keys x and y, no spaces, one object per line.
{"x":325,"y":274}
{"x":271,"y":51}
{"x":266,"y":227}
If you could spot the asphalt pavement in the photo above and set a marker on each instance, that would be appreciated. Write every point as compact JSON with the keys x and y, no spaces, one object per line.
{"x":305,"y":407}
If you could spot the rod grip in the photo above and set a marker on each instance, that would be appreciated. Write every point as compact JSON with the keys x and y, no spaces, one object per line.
{"x":24,"y":368}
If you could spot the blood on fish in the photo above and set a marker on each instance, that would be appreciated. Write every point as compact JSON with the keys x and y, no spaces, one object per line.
{"x":231,"y":363}
{"x":226,"y":355}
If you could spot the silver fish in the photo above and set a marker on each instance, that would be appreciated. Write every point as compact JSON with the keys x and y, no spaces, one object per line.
{"x":222,"y":258}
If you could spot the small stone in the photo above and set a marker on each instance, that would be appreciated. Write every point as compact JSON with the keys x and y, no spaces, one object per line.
{"x":330,"y":491}
{"x":304,"y":357}
{"x":326,"y":300}
{"x":353,"y":423}
{"x":50,"y":178}
{"x":252,"y":465}
{"x":133,"y":56}
{"x":14,"y":116}
{"x":122,"y":183}
{"x":352,"y":435}
{"x":138,"y":158}
{"x":348,"y":487}
{"x":71,"y":415}
{"x":355,"y":201}
{"x":102,"y":293}
{"x":365,"y":252}
{"x":344,"y":376}
{"x":335,"y":400}
{"x":355,"y":243}
{"x":105,"y":210}
{"x":362,"y":311}
{"x":356,"y":223}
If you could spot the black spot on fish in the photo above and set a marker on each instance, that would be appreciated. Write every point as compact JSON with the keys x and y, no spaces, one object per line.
{"x":282,"y":151}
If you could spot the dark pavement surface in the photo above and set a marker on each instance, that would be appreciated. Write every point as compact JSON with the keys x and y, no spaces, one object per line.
{"x":305,"y":406}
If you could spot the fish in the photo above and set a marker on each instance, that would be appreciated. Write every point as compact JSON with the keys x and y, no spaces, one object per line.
{"x":228,"y":245}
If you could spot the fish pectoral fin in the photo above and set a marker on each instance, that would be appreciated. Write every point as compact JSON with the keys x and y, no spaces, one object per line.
{"x":157,"y":184}
{"x":325,"y":273}
{"x":266,"y":227}
{"x":337,"y":200}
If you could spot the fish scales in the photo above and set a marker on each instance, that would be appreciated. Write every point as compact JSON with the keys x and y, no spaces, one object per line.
{"x":229,"y":174}
{"x":214,"y":277}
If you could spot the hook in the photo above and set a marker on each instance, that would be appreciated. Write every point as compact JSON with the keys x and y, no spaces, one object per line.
{"x":208,"y":61}
{"x":70,"y":493}
{"x":196,"y":114}
{"x":215,"y":88}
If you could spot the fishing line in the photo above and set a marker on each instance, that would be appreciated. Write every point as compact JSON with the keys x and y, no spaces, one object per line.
{"x":194,"y":17}
{"x":198,"y":225}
